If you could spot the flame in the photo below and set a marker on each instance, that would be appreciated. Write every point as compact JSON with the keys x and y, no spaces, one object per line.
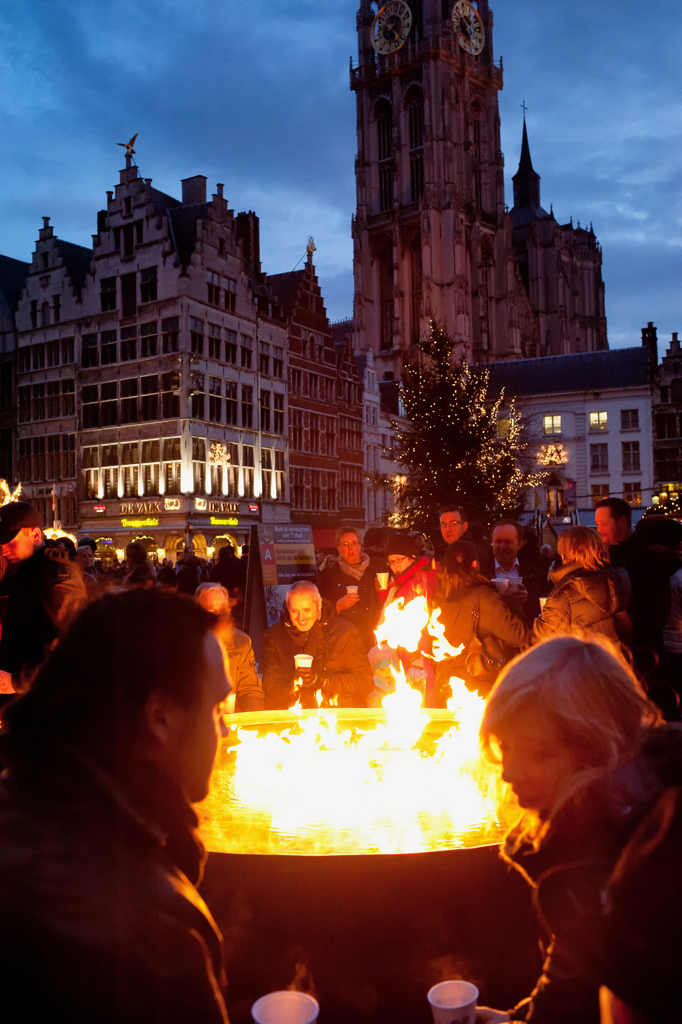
{"x":399,"y":779}
{"x":440,"y":647}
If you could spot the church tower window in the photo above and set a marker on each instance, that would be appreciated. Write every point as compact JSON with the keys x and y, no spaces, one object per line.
{"x":386,"y":298}
{"x":416,"y":288}
{"x":415,"y":112}
{"x":384,"y":122}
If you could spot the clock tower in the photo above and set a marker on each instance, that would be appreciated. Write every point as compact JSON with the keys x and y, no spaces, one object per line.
{"x":431,"y":235}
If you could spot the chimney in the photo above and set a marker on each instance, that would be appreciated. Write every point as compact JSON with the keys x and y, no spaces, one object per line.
{"x":650,"y":342}
{"x":194,"y":190}
{"x":219,"y":189}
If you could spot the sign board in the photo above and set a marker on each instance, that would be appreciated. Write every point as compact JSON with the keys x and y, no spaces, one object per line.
{"x":279,"y":555}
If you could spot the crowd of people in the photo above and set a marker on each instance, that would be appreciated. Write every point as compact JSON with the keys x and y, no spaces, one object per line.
{"x":123,"y":680}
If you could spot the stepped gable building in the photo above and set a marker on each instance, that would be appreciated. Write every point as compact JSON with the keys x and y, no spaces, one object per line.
{"x":325,"y":411}
{"x":667,"y":416}
{"x":12,"y":280}
{"x":144,"y":391}
{"x":560,"y":267}
{"x":432,"y":236}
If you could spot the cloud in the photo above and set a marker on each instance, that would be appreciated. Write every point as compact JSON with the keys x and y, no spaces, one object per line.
{"x":256,"y":94}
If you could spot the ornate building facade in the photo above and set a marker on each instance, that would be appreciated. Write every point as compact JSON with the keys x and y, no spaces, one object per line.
{"x":432,"y":235}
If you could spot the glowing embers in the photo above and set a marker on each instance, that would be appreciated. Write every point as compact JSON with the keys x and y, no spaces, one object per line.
{"x":344,"y":781}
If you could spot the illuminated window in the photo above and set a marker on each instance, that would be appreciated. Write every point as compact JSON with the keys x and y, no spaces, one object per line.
{"x":599,"y":421}
{"x":503,"y":426}
{"x":633,"y":493}
{"x":599,"y":492}
{"x":552,"y":424}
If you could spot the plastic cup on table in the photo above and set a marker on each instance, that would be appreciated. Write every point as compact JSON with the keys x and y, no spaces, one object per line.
{"x":453,"y":1002}
{"x":383,"y":580}
{"x":303,"y":660}
{"x":285,"y":1007}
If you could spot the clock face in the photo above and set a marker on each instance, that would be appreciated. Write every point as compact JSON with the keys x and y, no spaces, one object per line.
{"x":468,"y":27}
{"x":391,"y":27}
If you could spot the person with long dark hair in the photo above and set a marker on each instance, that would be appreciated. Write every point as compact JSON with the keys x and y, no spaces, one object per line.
{"x":474,"y":615}
{"x":99,"y":917}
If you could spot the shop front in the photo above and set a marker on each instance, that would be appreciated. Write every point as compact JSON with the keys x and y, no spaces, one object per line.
{"x":167,"y":526}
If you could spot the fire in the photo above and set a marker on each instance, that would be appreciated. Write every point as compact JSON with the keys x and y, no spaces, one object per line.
{"x":402,"y":779}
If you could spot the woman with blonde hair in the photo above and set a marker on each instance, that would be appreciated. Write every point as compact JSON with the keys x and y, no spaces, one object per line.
{"x":588,"y":595}
{"x":587,"y":759}
{"x":240,"y":663}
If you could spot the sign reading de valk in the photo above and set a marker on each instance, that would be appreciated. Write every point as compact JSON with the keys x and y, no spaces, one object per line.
{"x":137,"y":508}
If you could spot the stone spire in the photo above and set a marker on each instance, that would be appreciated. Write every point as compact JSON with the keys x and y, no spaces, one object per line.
{"x":526,"y":180}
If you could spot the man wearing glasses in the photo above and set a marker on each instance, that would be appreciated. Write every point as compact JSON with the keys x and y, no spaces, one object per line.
{"x":347,"y":580}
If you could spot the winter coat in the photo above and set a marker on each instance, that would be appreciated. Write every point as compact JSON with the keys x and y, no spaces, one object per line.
{"x":570,"y":869}
{"x":650,"y":581}
{"x":584,"y":601}
{"x":364,"y":615}
{"x":242,"y":671}
{"x":47,"y":592}
{"x":501,"y":631}
{"x":339,"y":662}
{"x":100,"y":922}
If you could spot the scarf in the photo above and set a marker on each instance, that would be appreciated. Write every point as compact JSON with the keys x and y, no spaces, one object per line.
{"x":356,"y":571}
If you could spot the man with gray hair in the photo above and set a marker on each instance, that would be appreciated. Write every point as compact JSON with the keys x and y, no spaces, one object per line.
{"x":340,"y":674}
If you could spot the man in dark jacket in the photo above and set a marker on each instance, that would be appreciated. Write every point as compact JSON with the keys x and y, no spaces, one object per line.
{"x":340,"y":672}
{"x":512,"y":561}
{"x":348,"y":581}
{"x":230,"y":572}
{"x":648,"y":574}
{"x":100,"y":922}
{"x":46,"y":592}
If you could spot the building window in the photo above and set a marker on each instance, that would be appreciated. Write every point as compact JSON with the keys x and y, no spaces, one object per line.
{"x":52,"y":404}
{"x":196,"y":329}
{"x":34,"y":313}
{"x":599,"y":492}
{"x":385,"y":187}
{"x":599,"y":421}
{"x":386,"y":301}
{"x":278,"y":425}
{"x":129,"y":400}
{"x":246,"y":353}
{"x":128,"y":343}
{"x":197,"y":396}
{"x":233,"y":469}
{"x":213,"y":282}
{"x":296,"y":382}
{"x":416,"y":286}
{"x":599,"y":458}
{"x":149,"y":389}
{"x":148,"y":284}
{"x":315,"y":490}
{"x":199,"y":465}
{"x":171,"y":458}
{"x":633,"y":493}
{"x":108,"y":294}
{"x":52,"y":353}
{"x":280,"y":478}
{"x":247,"y":406}
{"x":278,"y":362}
{"x":25,"y":360}
{"x":170,"y":391}
{"x":215,"y":412}
{"x":297,"y":488}
{"x":129,"y":294}
{"x":170,"y":329}
{"x":266,"y":472}
{"x":108,"y":347}
{"x":551,"y":424}
{"x":265,"y":411}
{"x":231,"y":347}
{"x":68,"y":397}
{"x":384,"y":118}
{"x":231,"y":403}
{"x":314,"y":434}
{"x":38,"y":357}
{"x":676,"y":388}
{"x":297,"y":430}
{"x":665,"y":392}
{"x":90,"y":406}
{"x":56,"y":308}
{"x":148,"y":339}
{"x":213,"y":341}
{"x":629,"y":419}
{"x":667,"y":425}
{"x":264,"y":363}
{"x":108,"y":404}
{"x":630,"y":451}
{"x":230,"y":294}
{"x":503,"y":427}
{"x":249,"y":470}
{"x":89,"y":350}
{"x":351,"y":487}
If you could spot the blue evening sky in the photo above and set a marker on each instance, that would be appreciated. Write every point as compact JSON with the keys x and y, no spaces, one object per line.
{"x":254,"y":93}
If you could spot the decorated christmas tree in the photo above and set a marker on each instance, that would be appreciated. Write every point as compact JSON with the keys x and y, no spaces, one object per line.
{"x":456,"y":448}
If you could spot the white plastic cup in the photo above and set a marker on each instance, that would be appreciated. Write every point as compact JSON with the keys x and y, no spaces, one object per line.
{"x":543,"y":602}
{"x":285,"y":1007}
{"x":352,"y":591}
{"x":383,"y":580}
{"x":303,"y":660}
{"x":515,"y":583}
{"x":453,"y":1002}
{"x":502,"y":585}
